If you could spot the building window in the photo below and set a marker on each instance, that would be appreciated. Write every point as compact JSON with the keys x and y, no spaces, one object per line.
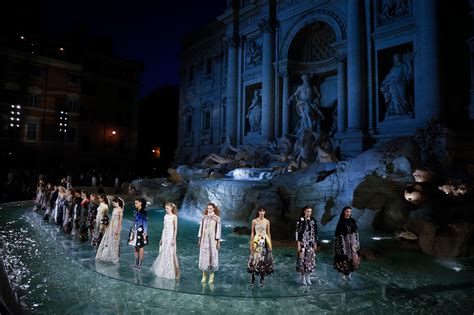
{"x":74,"y":79}
{"x":209,"y":66}
{"x":34,"y":100}
{"x":31,"y":131}
{"x":207,"y":120}
{"x":189,"y":123}
{"x":72,"y":107}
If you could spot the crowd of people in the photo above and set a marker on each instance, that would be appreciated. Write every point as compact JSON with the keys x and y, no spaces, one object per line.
{"x":20,"y":184}
{"x":86,"y":217}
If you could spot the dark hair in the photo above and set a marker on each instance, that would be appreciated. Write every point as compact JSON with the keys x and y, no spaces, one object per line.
{"x":344,"y":210}
{"x":345,"y":226}
{"x":119,"y":201}
{"x":104,"y":197}
{"x":260,"y":209}
{"x":304,"y":209}
{"x":216,"y":209}
{"x":142,"y":202}
{"x":86,"y":193}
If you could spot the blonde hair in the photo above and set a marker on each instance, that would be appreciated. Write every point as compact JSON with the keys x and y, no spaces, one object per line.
{"x":174,"y":209}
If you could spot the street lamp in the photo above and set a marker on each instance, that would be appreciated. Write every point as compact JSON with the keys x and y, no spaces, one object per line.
{"x":112,"y":135}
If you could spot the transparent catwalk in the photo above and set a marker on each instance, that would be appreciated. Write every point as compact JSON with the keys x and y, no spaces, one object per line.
{"x":56,"y":273}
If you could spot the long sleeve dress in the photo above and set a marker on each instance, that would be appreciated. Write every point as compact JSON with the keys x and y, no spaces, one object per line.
{"x":209,"y":234}
{"x":307,"y":235}
{"x":109,"y":248}
{"x":166,"y":264}
{"x":139,"y":229}
{"x":260,"y":261}
{"x":346,"y":246}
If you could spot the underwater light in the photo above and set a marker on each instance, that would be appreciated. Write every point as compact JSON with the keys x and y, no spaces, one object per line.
{"x":457,"y":268}
{"x":376,"y":238}
{"x":325,"y":241}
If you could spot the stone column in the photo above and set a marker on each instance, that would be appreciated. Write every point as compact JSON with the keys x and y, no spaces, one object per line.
{"x":341,"y":94}
{"x":429,"y":43}
{"x":268,"y":83}
{"x":285,"y":115}
{"x":232,"y":71}
{"x":355,"y":55}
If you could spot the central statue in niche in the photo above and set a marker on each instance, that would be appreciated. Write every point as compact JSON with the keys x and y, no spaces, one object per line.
{"x":395,"y":86}
{"x":308,"y":101}
{"x":254,"y":114}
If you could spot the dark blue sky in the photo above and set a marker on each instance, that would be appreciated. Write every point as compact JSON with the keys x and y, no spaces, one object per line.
{"x":149,"y":31}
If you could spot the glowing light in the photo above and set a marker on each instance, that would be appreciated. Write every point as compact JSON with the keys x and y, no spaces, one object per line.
{"x":11,"y":118}
{"x":61,"y":49}
{"x":114,"y":132}
{"x":376,"y":238}
{"x":13,"y":113}
{"x":11,"y":125}
{"x":22,"y":37}
{"x":457,"y":268}
{"x":18,"y":126}
{"x":60,"y":124}
{"x":18,"y":106}
{"x":18,"y":119}
{"x":13,"y":106}
{"x":62,"y":112}
{"x":156,"y":152}
{"x":325,"y":241}
{"x":18,"y":113}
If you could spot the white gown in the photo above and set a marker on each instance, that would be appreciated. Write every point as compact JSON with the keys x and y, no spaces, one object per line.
{"x":166,"y":264}
{"x":109,"y":248}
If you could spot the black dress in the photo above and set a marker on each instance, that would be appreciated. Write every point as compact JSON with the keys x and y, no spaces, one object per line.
{"x":346,"y":246}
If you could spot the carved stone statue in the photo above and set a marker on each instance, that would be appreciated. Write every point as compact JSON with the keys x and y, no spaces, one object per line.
{"x":254,"y":114}
{"x":392,"y":9}
{"x":395,"y":87}
{"x":254,"y":53}
{"x":308,"y":101}
{"x":304,"y":150}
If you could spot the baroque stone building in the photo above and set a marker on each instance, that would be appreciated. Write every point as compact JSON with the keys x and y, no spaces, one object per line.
{"x":358,"y":72}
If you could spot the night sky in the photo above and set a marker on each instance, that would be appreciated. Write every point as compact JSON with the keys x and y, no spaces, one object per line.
{"x":147,"y":31}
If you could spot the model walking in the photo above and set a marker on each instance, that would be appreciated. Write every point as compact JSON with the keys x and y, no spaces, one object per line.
{"x":260,"y":262}
{"x":307,"y":245}
{"x":166,"y":264}
{"x":346,"y":244}
{"x":109,"y":247}
{"x":209,"y":242}
{"x":138,"y":236}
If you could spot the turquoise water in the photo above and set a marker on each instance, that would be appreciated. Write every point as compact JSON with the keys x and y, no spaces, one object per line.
{"x":58,"y":274}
